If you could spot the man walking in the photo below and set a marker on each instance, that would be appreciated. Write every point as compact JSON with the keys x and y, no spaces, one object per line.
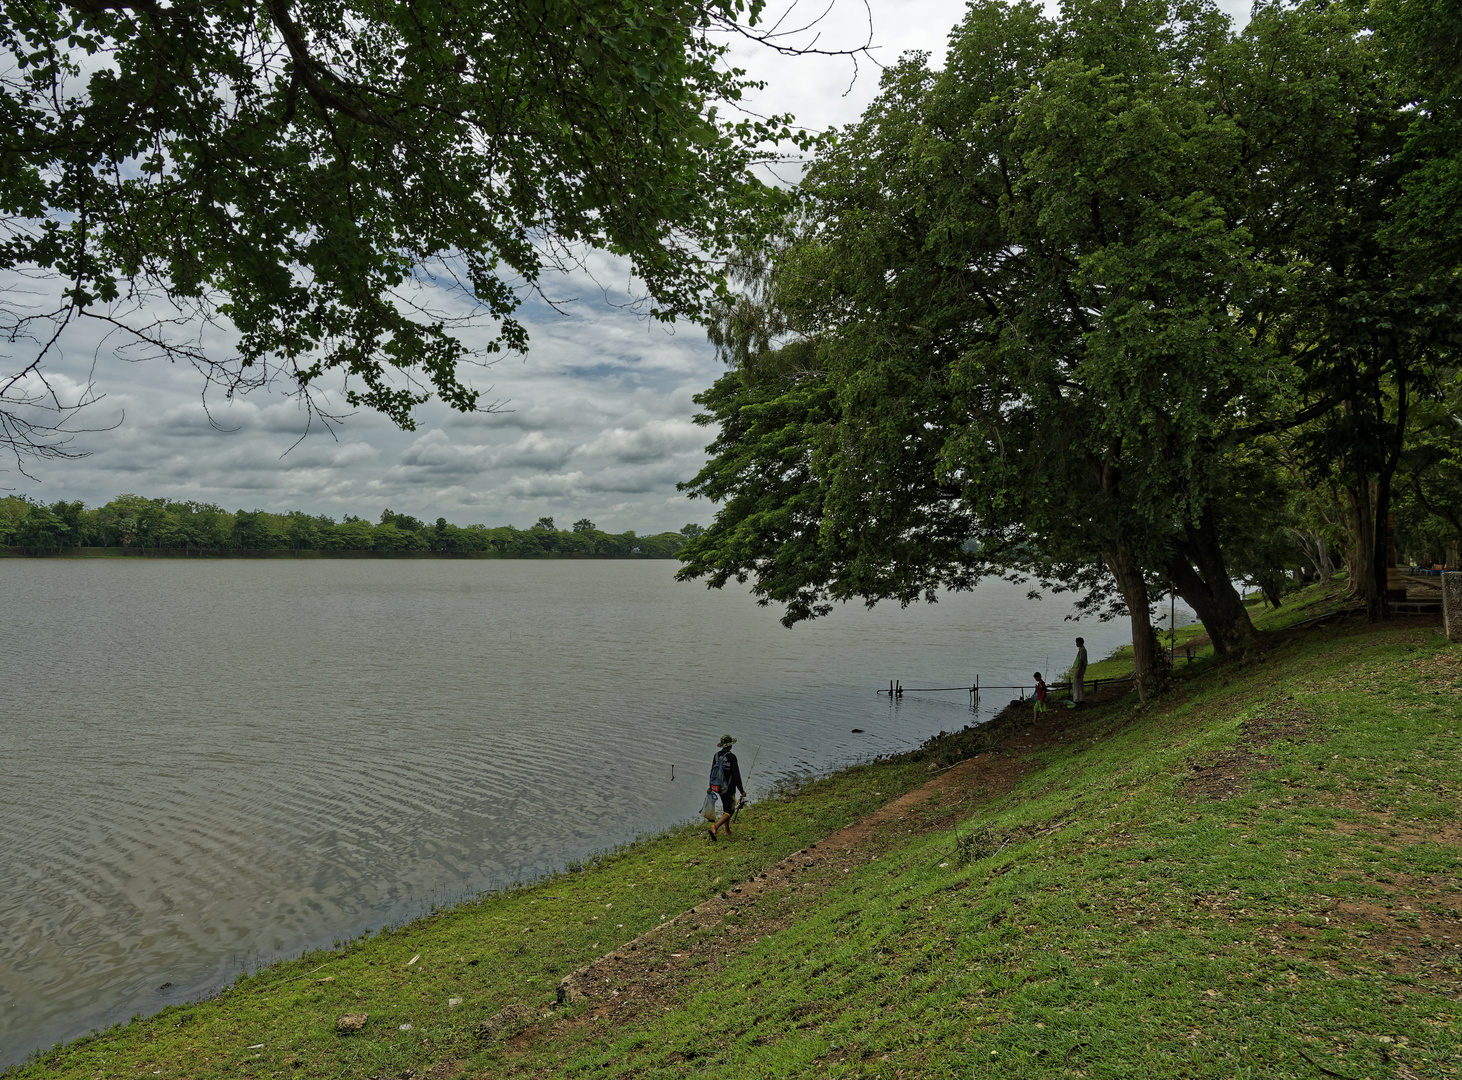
{"x":1078,"y":674}
{"x":725,"y":782}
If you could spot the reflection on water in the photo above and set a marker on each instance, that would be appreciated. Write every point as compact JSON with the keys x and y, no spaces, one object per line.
{"x":208,"y":764}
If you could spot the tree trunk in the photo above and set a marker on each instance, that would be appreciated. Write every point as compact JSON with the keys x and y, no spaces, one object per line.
{"x":1372,"y":558}
{"x":1351,"y":551}
{"x":1200,"y":575}
{"x":1381,"y":556}
{"x":1324,"y":565}
{"x":1364,"y":560}
{"x":1372,"y":495}
{"x":1148,"y":670}
{"x":1316,"y":546}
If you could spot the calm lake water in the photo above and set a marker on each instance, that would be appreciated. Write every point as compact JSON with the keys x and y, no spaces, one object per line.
{"x":205,"y":765}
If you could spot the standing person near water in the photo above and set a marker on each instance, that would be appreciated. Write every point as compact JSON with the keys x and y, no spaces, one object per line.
{"x":725,"y":782}
{"x":1078,"y":674}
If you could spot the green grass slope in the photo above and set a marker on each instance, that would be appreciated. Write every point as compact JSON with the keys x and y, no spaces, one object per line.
{"x":1255,"y":875}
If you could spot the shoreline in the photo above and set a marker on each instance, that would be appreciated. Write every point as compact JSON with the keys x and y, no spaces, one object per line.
{"x":1098,"y":886}
{"x":313,"y":553}
{"x":833,"y":812}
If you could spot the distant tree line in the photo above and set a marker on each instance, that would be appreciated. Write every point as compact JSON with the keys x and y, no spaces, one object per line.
{"x":161,"y":525}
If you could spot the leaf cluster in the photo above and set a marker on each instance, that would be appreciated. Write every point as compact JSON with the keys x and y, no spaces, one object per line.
{"x":342,"y":188}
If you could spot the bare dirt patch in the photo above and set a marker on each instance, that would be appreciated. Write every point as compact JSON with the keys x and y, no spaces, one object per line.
{"x":652,"y":970}
{"x":1416,"y":929}
{"x":1393,"y":832}
{"x":1224,"y":775}
{"x":656,"y":970}
{"x":1227,"y":774}
{"x":1281,"y":722}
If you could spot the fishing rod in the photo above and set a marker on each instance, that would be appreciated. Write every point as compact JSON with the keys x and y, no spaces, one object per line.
{"x":742,"y":801}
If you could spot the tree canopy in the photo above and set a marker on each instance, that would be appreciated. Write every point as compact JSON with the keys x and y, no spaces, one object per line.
{"x":136,"y":524}
{"x":342,"y":186}
{"x":1037,"y":313}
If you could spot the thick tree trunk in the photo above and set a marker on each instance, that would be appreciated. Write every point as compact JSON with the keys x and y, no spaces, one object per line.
{"x":1148,"y":669}
{"x":1366,"y":558}
{"x":1372,"y":557}
{"x":1200,"y":575}
{"x":1372,"y":495}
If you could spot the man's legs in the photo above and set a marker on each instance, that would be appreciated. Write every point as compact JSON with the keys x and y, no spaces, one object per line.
{"x":1078,"y":690}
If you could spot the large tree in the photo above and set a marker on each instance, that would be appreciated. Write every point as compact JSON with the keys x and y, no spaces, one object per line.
{"x":313,"y":174}
{"x":1370,"y":312}
{"x":1043,"y":303}
{"x":1022,"y":287}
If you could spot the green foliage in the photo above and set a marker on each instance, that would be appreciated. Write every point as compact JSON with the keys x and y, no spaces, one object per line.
{"x":1423,"y":42}
{"x":1429,"y":497}
{"x":300,"y":170}
{"x":400,"y":521}
{"x":773,"y":440}
{"x":132,"y":522}
{"x":1045,"y":312}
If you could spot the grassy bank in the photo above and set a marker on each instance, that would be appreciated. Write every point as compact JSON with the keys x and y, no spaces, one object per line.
{"x":1256,"y":875}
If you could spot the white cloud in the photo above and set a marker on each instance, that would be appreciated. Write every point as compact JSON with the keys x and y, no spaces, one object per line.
{"x":595,"y":421}
{"x":655,"y":441}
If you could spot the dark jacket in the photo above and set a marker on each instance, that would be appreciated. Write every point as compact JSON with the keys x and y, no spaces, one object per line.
{"x":732,"y":782}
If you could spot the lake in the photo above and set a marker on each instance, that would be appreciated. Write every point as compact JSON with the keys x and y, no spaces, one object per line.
{"x":207,"y":765}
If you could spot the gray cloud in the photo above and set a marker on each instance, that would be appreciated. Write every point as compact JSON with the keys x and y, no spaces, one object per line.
{"x":595,"y":421}
{"x":654,"y":441}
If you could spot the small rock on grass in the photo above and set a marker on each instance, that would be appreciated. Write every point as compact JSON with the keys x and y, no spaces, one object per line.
{"x":351,"y":1022}
{"x":571,"y":987}
{"x":502,"y":1024}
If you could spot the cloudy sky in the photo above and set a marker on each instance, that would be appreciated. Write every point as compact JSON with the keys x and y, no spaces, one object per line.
{"x":595,"y":420}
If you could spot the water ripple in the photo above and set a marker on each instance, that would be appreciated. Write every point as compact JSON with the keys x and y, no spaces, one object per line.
{"x":209,"y":764}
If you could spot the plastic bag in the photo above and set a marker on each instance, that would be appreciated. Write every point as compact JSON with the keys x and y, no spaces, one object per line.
{"x":708,"y":808}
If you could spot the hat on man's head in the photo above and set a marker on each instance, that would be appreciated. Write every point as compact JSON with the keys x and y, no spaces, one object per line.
{"x":726,"y":740}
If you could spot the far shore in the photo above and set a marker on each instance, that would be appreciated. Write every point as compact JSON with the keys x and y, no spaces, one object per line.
{"x":289,"y":553}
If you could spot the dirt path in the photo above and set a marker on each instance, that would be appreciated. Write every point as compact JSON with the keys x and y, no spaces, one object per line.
{"x":658,"y":969}
{"x":663,"y":968}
